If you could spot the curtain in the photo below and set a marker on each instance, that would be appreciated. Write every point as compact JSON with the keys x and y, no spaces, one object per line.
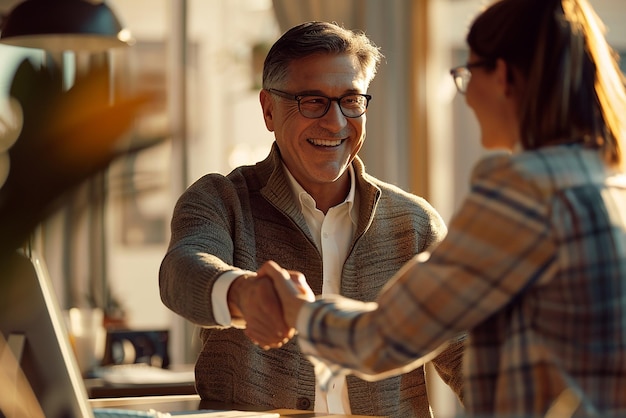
{"x":396,"y":147}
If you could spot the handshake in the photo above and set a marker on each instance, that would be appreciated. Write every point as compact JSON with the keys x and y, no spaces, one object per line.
{"x":269,"y":302}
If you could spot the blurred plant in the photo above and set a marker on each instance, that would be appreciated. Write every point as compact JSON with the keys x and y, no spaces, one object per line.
{"x":54,"y":140}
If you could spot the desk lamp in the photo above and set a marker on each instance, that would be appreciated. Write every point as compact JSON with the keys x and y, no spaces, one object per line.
{"x":64,"y":25}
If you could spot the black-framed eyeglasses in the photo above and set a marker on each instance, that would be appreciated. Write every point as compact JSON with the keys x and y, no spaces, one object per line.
{"x":315,"y":106}
{"x":463,"y":74}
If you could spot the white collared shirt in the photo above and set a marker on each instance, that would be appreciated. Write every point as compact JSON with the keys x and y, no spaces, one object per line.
{"x":332,"y":234}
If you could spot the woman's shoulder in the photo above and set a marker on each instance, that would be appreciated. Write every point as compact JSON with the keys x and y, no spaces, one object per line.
{"x":536,"y":162}
{"x":547,"y":169}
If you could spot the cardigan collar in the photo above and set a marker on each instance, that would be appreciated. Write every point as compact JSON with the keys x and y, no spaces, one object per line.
{"x":278,"y":191}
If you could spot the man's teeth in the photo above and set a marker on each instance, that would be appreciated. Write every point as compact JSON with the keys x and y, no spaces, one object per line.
{"x":325,"y":142}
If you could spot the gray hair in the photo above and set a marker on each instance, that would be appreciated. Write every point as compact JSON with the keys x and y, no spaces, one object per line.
{"x":318,"y":38}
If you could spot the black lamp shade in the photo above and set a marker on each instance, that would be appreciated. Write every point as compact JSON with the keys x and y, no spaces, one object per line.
{"x":59,"y":25}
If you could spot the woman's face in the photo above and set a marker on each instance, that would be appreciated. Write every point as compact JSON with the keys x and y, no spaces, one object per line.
{"x":490,"y":95}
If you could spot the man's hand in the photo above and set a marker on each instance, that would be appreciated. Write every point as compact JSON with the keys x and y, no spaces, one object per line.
{"x":253,"y":298}
{"x":291,"y":287}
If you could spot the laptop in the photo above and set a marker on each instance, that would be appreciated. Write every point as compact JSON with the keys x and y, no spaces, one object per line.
{"x":39,"y":374}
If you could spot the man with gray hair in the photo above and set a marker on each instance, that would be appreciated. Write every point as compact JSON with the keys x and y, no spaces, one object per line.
{"x":310,"y":206}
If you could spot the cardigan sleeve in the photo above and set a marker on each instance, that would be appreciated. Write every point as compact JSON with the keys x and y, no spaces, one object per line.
{"x":207,"y":225}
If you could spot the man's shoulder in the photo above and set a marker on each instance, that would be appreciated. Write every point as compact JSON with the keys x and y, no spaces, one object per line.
{"x":396,"y":194}
{"x":397,"y":203}
{"x":213,"y":188}
{"x":238,"y":177}
{"x":210,"y":181}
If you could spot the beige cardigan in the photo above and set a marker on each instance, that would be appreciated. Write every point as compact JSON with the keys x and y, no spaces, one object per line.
{"x":242,"y":220}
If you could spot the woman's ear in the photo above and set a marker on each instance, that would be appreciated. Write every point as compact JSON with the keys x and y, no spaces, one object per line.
{"x":509,"y":78}
{"x":267,"y":104}
{"x":505,"y":79}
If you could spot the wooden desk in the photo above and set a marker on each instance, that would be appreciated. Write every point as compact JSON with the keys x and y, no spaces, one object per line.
{"x":193,"y":402}
{"x":181,"y":382}
{"x":98,"y":388}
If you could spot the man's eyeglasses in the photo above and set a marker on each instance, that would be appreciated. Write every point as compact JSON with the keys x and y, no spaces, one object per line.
{"x":316,"y":106}
{"x":463,"y":74}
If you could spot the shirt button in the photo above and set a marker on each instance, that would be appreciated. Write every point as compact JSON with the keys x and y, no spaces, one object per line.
{"x":303,"y":403}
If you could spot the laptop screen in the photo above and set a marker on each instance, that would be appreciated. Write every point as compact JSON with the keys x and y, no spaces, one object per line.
{"x":33,"y":328}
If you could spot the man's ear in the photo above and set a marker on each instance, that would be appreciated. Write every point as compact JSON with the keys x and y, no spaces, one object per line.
{"x":267,"y":104}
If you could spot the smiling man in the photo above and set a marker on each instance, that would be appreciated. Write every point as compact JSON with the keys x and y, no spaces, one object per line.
{"x":311,"y":207}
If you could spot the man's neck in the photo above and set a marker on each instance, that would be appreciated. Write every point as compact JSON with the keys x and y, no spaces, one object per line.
{"x":327,"y":195}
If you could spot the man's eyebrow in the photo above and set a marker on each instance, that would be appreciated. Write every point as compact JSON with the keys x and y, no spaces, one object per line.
{"x":321,"y":93}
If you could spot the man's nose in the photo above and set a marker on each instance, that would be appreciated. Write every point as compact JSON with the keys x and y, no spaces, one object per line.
{"x":334,"y":116}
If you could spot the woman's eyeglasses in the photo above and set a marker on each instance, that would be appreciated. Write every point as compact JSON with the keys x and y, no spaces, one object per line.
{"x":313,"y":107}
{"x":463,"y":74}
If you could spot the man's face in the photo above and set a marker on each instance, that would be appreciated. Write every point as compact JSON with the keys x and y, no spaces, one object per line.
{"x":317,"y":151}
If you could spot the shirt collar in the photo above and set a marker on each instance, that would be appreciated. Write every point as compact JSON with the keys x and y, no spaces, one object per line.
{"x":306,"y":199}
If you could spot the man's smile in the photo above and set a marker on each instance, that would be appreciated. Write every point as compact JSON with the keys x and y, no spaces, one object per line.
{"x":325,"y":142}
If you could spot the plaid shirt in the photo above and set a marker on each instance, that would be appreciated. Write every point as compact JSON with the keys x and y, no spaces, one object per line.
{"x":534,"y":265}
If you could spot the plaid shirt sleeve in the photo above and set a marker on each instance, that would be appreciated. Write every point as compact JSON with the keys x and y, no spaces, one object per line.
{"x":497,"y":246}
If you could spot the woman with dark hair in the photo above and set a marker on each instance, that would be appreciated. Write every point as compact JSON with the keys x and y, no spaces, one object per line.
{"x":534,"y":262}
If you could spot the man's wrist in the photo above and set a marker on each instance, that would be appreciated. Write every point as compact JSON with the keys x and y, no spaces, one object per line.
{"x":233,"y":297}
{"x":219,"y":299}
